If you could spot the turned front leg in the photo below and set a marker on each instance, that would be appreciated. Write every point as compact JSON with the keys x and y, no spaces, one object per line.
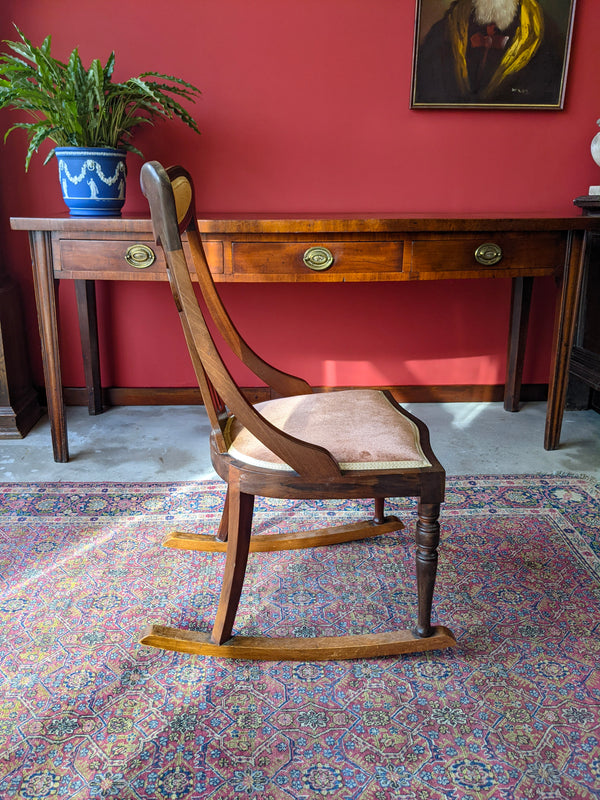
{"x":427,"y":539}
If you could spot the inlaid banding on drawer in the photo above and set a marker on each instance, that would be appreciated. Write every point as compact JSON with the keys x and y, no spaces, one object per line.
{"x":524,"y":251}
{"x":353,"y":257}
{"x":91,"y":258}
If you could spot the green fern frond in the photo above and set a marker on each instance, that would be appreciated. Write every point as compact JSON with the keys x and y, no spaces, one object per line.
{"x":72,"y":106}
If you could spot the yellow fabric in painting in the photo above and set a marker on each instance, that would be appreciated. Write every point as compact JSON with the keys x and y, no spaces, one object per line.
{"x":524,"y":46}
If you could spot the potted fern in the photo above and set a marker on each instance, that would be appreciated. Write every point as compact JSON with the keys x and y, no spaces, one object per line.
{"x":89,"y":118}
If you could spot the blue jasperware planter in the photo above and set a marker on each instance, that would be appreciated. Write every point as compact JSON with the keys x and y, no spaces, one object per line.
{"x":92,"y":180}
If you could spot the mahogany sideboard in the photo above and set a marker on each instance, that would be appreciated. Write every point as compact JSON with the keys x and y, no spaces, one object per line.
{"x":342,"y":248}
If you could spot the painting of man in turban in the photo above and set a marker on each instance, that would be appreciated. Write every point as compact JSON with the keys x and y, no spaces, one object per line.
{"x":497,"y":53}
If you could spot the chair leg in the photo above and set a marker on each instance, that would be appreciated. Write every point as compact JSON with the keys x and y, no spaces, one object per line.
{"x":224,"y":523}
{"x":427,"y":538}
{"x":379,"y":517}
{"x":239,"y":512}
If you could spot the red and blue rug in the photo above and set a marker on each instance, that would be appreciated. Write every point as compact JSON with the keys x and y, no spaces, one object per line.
{"x":512,"y":712}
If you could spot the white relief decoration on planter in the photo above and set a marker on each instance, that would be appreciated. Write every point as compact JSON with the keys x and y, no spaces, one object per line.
{"x":90,"y":166}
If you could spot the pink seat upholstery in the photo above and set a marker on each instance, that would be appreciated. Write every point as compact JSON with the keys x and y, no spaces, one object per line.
{"x":360,"y":428}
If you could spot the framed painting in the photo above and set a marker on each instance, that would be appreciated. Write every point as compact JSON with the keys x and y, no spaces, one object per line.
{"x":491,"y":53}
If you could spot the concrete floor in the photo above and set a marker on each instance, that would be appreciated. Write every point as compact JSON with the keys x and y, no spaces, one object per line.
{"x":169,"y":443}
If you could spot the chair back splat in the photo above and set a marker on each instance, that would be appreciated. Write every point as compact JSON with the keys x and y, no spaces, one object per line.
{"x":301,"y":445}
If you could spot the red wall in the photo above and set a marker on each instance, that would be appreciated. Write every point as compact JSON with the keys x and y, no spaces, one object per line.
{"x":305,"y":108}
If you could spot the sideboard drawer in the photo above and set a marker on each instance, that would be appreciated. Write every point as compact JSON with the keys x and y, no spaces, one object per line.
{"x":488,"y":252}
{"x":325,"y":260}
{"x":125,"y":260}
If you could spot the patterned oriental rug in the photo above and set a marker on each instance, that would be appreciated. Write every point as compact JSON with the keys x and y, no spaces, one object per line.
{"x":512,"y":712}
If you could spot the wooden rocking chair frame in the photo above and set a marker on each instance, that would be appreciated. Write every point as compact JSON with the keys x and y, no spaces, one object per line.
{"x":313,"y":472}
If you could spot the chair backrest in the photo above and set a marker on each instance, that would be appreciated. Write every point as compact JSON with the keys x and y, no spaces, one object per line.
{"x":170,"y":194}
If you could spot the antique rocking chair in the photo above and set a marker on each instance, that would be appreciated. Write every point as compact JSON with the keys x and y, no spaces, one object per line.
{"x":347,"y":444}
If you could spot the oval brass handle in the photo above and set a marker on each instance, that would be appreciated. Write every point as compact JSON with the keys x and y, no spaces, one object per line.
{"x":318,"y":258}
{"x":488,"y":254}
{"x":140,"y":256}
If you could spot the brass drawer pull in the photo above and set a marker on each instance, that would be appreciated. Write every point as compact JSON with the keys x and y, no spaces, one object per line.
{"x":318,"y":258}
{"x":140,"y":256}
{"x":488,"y":254}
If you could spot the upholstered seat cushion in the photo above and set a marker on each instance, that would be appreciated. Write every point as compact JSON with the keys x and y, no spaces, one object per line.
{"x":359,"y":427}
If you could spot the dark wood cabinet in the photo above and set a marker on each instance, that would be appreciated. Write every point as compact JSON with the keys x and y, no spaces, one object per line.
{"x":19,"y":406}
{"x":584,"y":369}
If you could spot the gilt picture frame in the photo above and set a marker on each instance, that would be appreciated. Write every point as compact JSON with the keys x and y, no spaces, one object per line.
{"x":462,"y":59}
